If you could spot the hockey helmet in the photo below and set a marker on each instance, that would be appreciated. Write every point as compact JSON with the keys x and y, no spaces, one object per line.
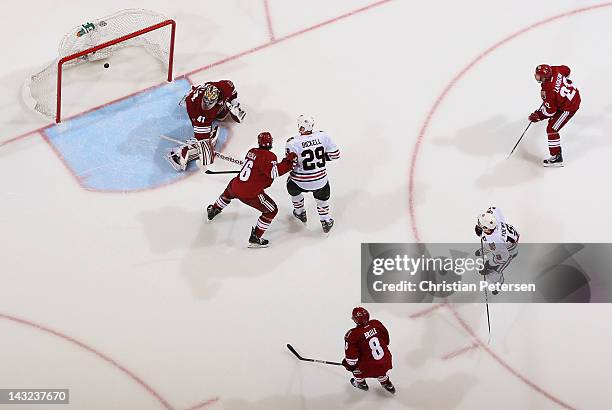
{"x":487,"y":221}
{"x":543,"y":72}
{"x":307,"y":122}
{"x":360,"y":316}
{"x":264,"y":140}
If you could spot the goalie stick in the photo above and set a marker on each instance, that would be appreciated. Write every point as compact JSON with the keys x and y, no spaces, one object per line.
{"x":310,"y":360}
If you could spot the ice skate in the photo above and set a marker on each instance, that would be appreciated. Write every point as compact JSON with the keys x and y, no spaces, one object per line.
{"x":257,"y":242}
{"x":212,"y":211}
{"x":302,"y":217}
{"x":327,"y":225}
{"x":554,"y":161}
{"x":361,"y":386}
{"x":388,"y":386}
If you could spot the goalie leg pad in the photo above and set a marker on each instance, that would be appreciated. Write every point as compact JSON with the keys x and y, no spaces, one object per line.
{"x":203,"y":150}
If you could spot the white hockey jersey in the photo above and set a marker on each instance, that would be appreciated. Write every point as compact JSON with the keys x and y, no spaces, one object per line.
{"x":313,"y":151}
{"x":502,"y":243}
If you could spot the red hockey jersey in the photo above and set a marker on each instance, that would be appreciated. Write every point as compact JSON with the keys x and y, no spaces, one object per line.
{"x":558,"y":93}
{"x":368,"y":347}
{"x":202,"y":119}
{"x":258,"y":172}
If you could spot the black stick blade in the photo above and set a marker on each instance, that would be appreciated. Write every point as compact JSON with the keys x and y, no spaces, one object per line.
{"x":293,"y":351}
{"x":221,"y":172}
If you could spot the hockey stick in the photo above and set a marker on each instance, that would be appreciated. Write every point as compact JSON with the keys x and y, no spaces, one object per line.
{"x":522,"y":135}
{"x":310,"y":360}
{"x":519,"y":140}
{"x":208,"y":171}
{"x":486,"y":292}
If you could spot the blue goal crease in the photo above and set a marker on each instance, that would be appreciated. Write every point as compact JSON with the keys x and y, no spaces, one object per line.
{"x":119,"y":147}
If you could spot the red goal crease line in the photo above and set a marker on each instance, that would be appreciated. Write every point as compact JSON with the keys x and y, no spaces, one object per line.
{"x":214,"y":64}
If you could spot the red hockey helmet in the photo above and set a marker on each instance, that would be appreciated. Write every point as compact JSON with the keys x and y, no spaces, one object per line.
{"x":361,"y":316}
{"x":264,"y":140}
{"x":543,"y":72}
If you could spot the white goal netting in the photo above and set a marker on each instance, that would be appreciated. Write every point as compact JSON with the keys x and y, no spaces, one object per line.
{"x":41,"y":90}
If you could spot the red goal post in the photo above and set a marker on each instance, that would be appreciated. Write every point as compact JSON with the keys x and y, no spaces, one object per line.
{"x":64,"y":60}
{"x":97,"y":40}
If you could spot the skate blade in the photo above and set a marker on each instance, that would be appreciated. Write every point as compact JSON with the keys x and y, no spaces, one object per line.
{"x":556,"y":165}
{"x":360,"y":388}
{"x":257,"y":246}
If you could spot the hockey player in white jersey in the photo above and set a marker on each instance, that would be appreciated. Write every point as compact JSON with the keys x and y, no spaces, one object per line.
{"x":500,"y":243}
{"x":314,"y":149}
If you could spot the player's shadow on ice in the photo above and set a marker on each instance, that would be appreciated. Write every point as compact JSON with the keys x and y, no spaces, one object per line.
{"x":423,"y":394}
{"x":491,"y":141}
{"x":220,"y":251}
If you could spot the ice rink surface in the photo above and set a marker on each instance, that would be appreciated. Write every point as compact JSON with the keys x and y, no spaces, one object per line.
{"x":132,"y":301}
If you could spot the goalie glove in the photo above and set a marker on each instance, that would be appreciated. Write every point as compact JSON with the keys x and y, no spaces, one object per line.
{"x":237,"y":113}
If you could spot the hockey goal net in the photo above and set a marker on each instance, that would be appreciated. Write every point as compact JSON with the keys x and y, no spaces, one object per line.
{"x":96,"y":40}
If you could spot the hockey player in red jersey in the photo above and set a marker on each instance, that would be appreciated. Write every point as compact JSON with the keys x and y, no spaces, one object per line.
{"x":258,"y":172}
{"x":561,"y":100}
{"x":206,"y":104}
{"x":367,"y":352}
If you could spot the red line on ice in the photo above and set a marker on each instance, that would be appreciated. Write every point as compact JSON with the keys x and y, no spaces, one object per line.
{"x":412,"y":172}
{"x":456,"y":353}
{"x":269,"y":20}
{"x":90,"y":349}
{"x":505,"y":365}
{"x":203,"y":404}
{"x":427,"y":311}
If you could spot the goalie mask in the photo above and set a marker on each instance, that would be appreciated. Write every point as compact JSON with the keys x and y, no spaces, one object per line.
{"x":210,"y":96}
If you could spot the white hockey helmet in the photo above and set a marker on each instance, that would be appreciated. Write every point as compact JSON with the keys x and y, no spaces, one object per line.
{"x":305,"y":121}
{"x":487,"y":221}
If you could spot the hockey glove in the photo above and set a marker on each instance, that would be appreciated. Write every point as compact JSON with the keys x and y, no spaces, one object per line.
{"x":487,"y":269}
{"x":350,"y":368}
{"x":536,"y":116}
{"x":291,"y":156}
